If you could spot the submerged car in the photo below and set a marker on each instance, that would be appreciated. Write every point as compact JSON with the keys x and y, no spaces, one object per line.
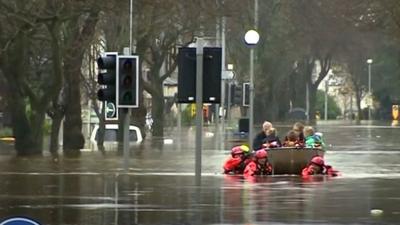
{"x":110,"y":136}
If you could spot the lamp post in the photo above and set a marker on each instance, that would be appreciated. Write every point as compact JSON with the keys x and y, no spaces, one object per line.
{"x":326,"y":101}
{"x":251,"y":38}
{"x":369,"y":61}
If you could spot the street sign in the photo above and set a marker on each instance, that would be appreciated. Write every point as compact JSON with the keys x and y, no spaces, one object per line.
{"x":111,"y":112}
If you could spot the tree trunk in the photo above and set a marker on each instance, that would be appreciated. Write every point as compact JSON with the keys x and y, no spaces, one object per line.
{"x":55,"y":130}
{"x":157,"y":111}
{"x":359,"y":116}
{"x":312,"y":101}
{"x":73,"y":139}
{"x":26,"y":143}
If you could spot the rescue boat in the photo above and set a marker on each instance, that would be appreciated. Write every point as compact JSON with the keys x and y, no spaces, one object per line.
{"x":287,"y":160}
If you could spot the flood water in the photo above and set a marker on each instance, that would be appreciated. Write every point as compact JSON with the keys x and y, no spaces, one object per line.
{"x":158,"y":185}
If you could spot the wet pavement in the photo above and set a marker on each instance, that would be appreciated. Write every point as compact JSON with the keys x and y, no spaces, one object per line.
{"x":158,"y":186}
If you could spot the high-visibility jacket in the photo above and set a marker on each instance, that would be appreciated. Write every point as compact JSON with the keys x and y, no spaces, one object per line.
{"x":254,"y":168}
{"x":235,"y":165}
{"x":328,"y":170}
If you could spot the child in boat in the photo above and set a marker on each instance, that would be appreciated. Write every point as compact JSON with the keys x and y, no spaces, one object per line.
{"x":271,"y":140}
{"x":292,"y":140}
{"x":240,"y":157}
{"x":312,"y":140}
{"x":317,"y":166}
{"x":299,"y":128}
{"x":259,"y":164}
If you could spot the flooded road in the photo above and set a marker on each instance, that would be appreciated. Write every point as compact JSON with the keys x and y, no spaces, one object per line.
{"x":158,"y":187}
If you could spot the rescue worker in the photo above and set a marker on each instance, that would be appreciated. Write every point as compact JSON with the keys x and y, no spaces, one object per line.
{"x":260,"y":137}
{"x":236,"y":163}
{"x":259,"y":164}
{"x":317,"y":166}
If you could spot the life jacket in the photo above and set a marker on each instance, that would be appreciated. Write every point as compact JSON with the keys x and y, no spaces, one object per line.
{"x":314,"y":141}
{"x":235,"y":165}
{"x":254,"y":168}
{"x":327,"y":170}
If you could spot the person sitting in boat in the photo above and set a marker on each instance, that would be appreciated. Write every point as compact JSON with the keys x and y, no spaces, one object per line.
{"x":298,"y":128}
{"x":259,"y":164}
{"x":312,"y":139}
{"x":260,"y":137}
{"x":236,"y":163}
{"x":292,"y":140}
{"x":272,"y":140}
{"x":317,"y":166}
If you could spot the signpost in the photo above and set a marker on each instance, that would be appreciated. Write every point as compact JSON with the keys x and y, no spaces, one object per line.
{"x":111,"y":111}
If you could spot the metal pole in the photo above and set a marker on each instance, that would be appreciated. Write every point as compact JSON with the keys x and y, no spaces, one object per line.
{"x":251,"y":115}
{"x":223,"y":71}
{"x":369,"y":91}
{"x":228,"y":111}
{"x":179,"y":126}
{"x":326,"y":101}
{"x":307,"y":103}
{"x":251,"y":87}
{"x":199,"y":108}
{"x":126,"y":138}
{"x":126,"y":124}
{"x":130,"y":25}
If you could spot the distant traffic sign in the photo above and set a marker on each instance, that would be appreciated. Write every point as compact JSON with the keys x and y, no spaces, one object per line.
{"x":19,"y":221}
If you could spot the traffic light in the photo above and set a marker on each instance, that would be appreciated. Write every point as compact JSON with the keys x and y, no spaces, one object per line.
{"x":128,"y":82}
{"x":107,"y":76}
{"x":187,"y":75}
{"x":107,"y":65}
{"x":238,"y":95}
{"x":211,"y":75}
{"x":246,"y":94}
{"x":212,"y":70}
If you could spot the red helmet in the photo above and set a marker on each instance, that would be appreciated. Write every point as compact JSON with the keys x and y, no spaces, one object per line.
{"x":261,"y":154}
{"x":237,"y":150}
{"x":318,"y":160}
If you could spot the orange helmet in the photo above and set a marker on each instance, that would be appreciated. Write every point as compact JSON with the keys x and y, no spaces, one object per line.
{"x":261,"y":154}
{"x":237,"y":150}
{"x":318,"y":160}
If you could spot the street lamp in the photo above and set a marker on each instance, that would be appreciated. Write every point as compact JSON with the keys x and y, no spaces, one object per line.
{"x":251,"y":38}
{"x":369,"y":61}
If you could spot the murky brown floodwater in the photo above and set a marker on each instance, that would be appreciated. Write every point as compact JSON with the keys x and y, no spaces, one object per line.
{"x":158,"y":187}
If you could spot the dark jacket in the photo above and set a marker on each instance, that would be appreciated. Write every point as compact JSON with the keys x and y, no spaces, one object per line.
{"x":272,"y":138}
{"x":259,"y":140}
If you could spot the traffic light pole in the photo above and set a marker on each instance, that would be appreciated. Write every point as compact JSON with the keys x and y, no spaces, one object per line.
{"x":127,"y":113}
{"x":126,"y":125}
{"x":199,"y":109}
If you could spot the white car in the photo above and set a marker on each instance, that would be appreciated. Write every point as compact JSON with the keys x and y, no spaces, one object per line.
{"x":110,"y":136}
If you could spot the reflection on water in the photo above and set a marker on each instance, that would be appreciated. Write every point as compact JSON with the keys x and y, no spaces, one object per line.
{"x":158,"y":187}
